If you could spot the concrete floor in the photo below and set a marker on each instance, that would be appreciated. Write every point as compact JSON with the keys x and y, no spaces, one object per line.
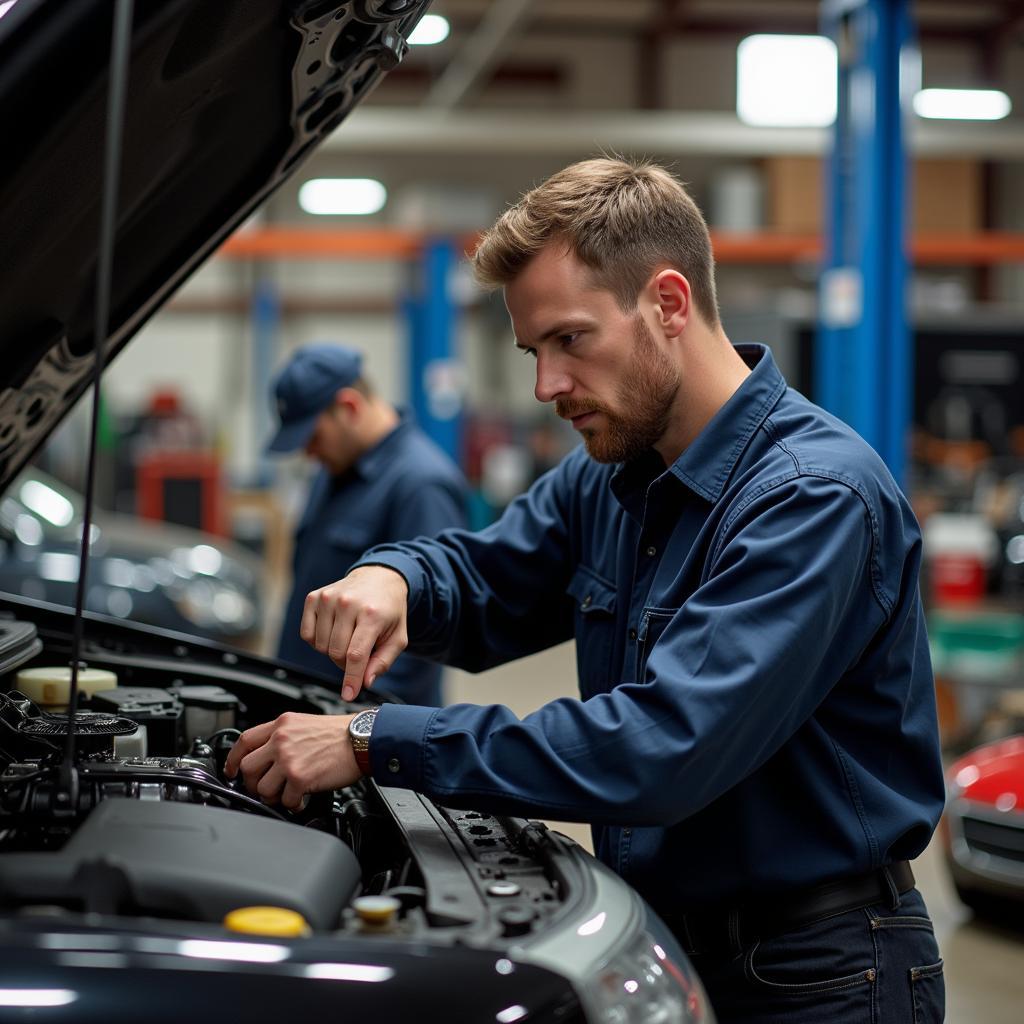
{"x":984,"y":965}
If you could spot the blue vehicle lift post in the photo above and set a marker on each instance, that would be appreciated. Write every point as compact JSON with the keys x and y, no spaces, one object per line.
{"x":436,"y":383}
{"x":863,"y":344}
{"x":266,"y":326}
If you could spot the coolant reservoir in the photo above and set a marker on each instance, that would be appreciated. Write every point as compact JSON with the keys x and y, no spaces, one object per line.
{"x":376,"y":913}
{"x":50,"y":688}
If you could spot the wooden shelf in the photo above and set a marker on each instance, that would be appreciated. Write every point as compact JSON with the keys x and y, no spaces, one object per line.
{"x":983,"y":248}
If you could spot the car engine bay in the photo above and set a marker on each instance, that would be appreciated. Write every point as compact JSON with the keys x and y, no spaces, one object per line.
{"x":149,"y":826}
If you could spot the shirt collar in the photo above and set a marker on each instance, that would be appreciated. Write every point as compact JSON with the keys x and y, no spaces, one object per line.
{"x":372,"y":462}
{"x":707,"y":463}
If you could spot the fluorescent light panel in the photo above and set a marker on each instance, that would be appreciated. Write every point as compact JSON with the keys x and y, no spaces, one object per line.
{"x":791,"y":81}
{"x":786,"y":81}
{"x":962,"y":104}
{"x":334,"y":196}
{"x":432,"y":29}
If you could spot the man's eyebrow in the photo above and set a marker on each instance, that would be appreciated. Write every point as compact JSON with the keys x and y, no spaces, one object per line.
{"x":562,"y":327}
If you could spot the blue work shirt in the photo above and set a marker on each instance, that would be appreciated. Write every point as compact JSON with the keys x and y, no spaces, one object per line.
{"x":401,"y":488}
{"x":757,"y":712}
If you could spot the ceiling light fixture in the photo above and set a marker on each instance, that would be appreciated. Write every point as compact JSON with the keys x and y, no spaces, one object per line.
{"x":962,"y":104}
{"x":786,"y":81}
{"x":335,"y":196}
{"x":431,"y":30}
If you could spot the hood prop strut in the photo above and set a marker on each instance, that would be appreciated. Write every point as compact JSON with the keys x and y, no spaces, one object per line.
{"x":67,"y":789}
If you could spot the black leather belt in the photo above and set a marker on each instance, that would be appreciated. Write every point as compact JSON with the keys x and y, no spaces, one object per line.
{"x":721,"y":931}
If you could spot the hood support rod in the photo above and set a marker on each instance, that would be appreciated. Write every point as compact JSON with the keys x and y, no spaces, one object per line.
{"x":120,"y":48}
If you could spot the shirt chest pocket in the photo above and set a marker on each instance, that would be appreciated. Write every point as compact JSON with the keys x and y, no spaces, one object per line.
{"x":595,"y":625}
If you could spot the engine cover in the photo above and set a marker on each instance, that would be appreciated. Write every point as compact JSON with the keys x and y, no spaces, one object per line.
{"x":186,"y":861}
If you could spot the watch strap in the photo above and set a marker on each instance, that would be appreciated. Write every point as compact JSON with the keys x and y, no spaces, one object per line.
{"x":361,"y":743}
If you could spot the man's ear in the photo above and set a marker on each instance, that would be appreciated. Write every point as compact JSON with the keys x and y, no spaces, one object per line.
{"x":348,"y":400}
{"x":670,"y":292}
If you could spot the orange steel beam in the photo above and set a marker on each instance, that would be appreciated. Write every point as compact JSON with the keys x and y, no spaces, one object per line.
{"x":763,"y":247}
{"x":984,"y":247}
{"x":977,"y":249}
{"x":311,"y":243}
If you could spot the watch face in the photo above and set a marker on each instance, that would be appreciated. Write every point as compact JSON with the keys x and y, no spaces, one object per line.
{"x":362,"y":724}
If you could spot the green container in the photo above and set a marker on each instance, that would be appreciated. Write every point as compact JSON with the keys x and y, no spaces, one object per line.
{"x":978,"y":646}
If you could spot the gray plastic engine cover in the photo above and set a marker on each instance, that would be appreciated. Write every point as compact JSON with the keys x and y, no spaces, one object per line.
{"x":188,"y":861}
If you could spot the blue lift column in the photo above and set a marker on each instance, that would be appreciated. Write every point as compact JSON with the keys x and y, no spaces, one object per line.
{"x":266,"y":328}
{"x":436,"y":378}
{"x":863,"y":345}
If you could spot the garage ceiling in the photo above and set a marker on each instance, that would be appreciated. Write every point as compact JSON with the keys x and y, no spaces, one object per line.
{"x":486,"y":35}
{"x":654,"y":76}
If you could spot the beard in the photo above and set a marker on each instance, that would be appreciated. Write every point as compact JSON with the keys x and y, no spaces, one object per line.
{"x":645,"y":396}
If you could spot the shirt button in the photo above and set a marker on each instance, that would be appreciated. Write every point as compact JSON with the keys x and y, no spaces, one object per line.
{"x":587,"y":601}
{"x":632,"y":636}
{"x":394,"y":765}
{"x":652,"y":551}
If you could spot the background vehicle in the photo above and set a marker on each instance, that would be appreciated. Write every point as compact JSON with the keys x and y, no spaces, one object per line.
{"x":984,"y":828}
{"x":159,"y":575}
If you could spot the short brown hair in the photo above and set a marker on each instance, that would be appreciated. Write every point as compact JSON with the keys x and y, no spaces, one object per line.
{"x":620,"y":218}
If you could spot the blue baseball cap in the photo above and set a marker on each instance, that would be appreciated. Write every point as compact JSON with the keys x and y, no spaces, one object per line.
{"x":306,"y":386}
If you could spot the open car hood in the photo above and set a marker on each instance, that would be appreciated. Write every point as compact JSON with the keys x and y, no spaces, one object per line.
{"x":224,"y":100}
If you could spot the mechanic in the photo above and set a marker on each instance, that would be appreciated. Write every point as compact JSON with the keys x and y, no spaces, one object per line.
{"x":381,"y":479}
{"x":756,"y":746}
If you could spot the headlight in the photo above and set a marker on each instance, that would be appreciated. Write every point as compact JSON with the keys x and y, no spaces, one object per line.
{"x":624,"y":964}
{"x":212,"y":604}
{"x":642,"y":985}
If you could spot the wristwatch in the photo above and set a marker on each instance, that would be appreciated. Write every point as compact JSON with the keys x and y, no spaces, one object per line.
{"x":359,"y":730}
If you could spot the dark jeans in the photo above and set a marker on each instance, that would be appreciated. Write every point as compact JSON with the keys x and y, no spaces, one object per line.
{"x":876,"y":965}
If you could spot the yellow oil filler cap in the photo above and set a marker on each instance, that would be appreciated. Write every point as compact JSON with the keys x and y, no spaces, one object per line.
{"x":50,"y":687}
{"x":278,"y":922}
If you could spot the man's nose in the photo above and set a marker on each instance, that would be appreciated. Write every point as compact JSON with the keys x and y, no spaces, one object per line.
{"x":552,"y":381}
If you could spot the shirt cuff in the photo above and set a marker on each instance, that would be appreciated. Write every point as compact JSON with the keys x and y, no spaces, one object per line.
{"x":398,"y":745}
{"x":405,"y":566}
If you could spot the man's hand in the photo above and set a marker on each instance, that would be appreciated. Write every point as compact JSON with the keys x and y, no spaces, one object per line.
{"x":359,"y":623}
{"x":283,"y":760}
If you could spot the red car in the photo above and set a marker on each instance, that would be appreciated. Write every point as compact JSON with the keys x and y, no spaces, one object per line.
{"x":984,"y":826}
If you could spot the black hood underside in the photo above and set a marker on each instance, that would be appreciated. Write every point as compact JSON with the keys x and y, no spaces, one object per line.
{"x":225,"y":98}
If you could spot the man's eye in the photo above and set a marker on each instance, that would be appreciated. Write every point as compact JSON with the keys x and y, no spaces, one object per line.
{"x":568,"y":339}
